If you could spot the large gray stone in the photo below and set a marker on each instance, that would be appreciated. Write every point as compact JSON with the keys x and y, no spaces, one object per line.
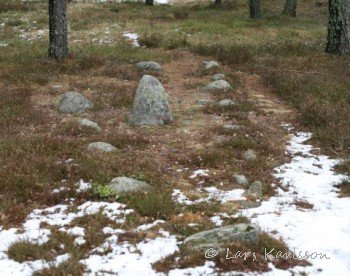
{"x":73,"y":102}
{"x":250,"y":155}
{"x":211,"y":64}
{"x":151,"y":106}
{"x":255,"y":189}
{"x":101,"y":146}
{"x":220,"y":237}
{"x":89,"y":124}
{"x":149,"y":65}
{"x":217,"y":86}
{"x":217,"y":77}
{"x":127,"y":185}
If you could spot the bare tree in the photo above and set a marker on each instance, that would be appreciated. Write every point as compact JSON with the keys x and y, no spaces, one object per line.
{"x":254,"y":8}
{"x":58,"y":47}
{"x":290,"y":8}
{"x":338,"y":41}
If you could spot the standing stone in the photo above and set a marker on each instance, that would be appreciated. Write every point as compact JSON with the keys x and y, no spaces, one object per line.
{"x":127,"y":185}
{"x":149,"y":65}
{"x":151,"y":106}
{"x":73,"y":102}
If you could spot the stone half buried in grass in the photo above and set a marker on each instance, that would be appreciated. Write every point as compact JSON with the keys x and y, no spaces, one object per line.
{"x":217,"y":77}
{"x":128,"y":185}
{"x":151,"y":106}
{"x":101,"y":147}
{"x":88,"y":124}
{"x":74,"y":102}
{"x":149,"y":65}
{"x":219,"y":237}
{"x":217,"y":86}
{"x":211,"y":64}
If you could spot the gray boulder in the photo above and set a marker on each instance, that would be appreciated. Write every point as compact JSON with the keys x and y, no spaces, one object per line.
{"x":231,"y":127}
{"x":211,"y":64}
{"x":101,"y":146}
{"x":250,"y":155}
{"x":151,"y":106}
{"x":255,"y":189}
{"x":127,"y":185}
{"x":240,"y":179}
{"x":149,"y":65}
{"x":205,"y":102}
{"x":226,"y":103}
{"x":220,"y":237}
{"x":73,"y":102}
{"x":217,"y":77}
{"x":89,"y":124}
{"x":217,"y":85}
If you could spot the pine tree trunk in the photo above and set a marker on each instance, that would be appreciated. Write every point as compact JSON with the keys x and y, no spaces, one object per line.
{"x":254,"y":7}
{"x":58,"y":47}
{"x":339,"y":27}
{"x":218,"y":2}
{"x":290,"y":8}
{"x":149,"y":2}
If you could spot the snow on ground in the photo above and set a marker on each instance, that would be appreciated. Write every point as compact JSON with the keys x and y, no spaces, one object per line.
{"x":324,"y":229}
{"x":213,"y":193}
{"x":133,"y":37}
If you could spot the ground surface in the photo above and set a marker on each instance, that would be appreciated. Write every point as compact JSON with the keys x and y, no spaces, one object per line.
{"x":56,"y":215}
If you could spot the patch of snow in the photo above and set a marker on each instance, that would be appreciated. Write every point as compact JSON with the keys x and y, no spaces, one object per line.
{"x":145,"y":227}
{"x":324,"y":229}
{"x":217,"y":221}
{"x":207,"y":269}
{"x":83,"y":186}
{"x":133,"y":37}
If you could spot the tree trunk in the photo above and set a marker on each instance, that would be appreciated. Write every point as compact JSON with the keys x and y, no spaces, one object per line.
{"x":149,"y":2}
{"x":58,"y":47}
{"x":290,"y":8}
{"x":254,"y":7}
{"x":338,"y":41}
{"x":218,"y":2}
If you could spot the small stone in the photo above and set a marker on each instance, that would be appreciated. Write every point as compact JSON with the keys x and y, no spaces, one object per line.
{"x":231,"y":127}
{"x":250,"y":155}
{"x":151,"y":106}
{"x":249,"y":204}
{"x":56,"y":88}
{"x":217,"y":77}
{"x":205,"y":102}
{"x":226,"y":103}
{"x":149,"y":65}
{"x":240,"y":179}
{"x":219,"y":237}
{"x":127,"y":185}
{"x":217,"y":85}
{"x":73,"y":102}
{"x":211,"y":64}
{"x":89,"y":124}
{"x":255,"y":189}
{"x":102,"y":147}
